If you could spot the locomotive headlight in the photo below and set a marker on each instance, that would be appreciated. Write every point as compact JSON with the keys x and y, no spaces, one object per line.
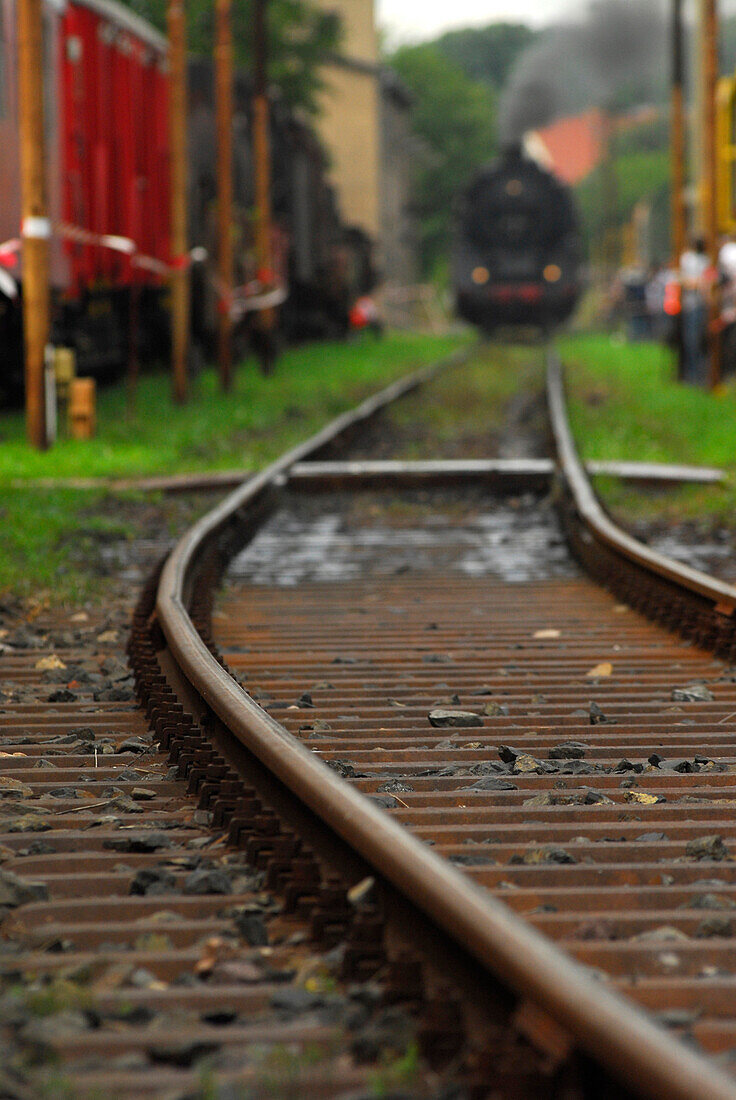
{"x":552,"y":273}
{"x":480,"y":275}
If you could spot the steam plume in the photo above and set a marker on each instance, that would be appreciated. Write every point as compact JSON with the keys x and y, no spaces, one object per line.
{"x":618,"y":44}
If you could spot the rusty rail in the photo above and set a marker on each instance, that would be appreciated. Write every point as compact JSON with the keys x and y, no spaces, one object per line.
{"x":598,"y":523}
{"x":611,"y":1031}
{"x":696,"y":605}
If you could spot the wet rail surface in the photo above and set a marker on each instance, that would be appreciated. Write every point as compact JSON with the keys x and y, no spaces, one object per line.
{"x":574,"y":759}
{"x":144,"y":951}
{"x":211,"y":943}
{"x":528,"y":1020}
{"x":555,"y":760}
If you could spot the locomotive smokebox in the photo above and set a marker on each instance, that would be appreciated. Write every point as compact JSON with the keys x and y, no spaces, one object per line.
{"x":517,"y":249}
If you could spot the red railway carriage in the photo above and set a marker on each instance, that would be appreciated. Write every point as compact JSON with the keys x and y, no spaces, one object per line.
{"x":113,"y":137}
{"x":107,"y":151}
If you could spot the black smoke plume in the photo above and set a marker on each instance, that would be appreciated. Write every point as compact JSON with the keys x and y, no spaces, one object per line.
{"x":618,"y":48}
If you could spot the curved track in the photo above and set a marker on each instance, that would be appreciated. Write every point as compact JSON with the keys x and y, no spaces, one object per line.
{"x":576,"y":837}
{"x":608,"y":1030}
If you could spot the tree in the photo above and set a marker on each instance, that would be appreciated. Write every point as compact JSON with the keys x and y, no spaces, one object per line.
{"x":641,"y":171}
{"x":454,"y":118}
{"x":301,"y":37}
{"x":487,"y":53}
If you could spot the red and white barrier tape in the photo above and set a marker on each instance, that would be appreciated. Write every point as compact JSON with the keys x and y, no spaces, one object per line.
{"x":113,"y":241}
{"x":242,"y":303}
{"x":9,"y":258}
{"x":253,"y":296}
{"x":9,"y":249}
{"x":9,"y":252}
{"x":8,"y":285}
{"x":129,"y":248}
{"x":244,"y":299}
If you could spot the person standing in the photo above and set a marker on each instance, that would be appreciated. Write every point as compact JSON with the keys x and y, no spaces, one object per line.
{"x":727,"y":317}
{"x":660,"y":321}
{"x":694,"y":267}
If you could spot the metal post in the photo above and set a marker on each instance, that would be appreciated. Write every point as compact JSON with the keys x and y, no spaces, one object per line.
{"x":710,"y":213}
{"x":266,"y":319}
{"x":35,"y":228}
{"x":176,"y":22}
{"x":611,"y":241}
{"x":679,"y":219}
{"x":224,"y":111}
{"x":133,"y":331}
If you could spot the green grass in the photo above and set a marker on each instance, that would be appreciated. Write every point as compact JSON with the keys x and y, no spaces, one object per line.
{"x":59,"y":995}
{"x":464,"y":410}
{"x":243,"y":429}
{"x":47,"y":534}
{"x":397,"y":1072}
{"x":51,"y":536}
{"x":625,"y":403}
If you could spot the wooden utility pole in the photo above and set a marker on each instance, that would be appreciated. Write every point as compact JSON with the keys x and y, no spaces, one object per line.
{"x":678,"y":229}
{"x":266,"y":319}
{"x":710,"y":80}
{"x":176,"y":22}
{"x":36,"y":228}
{"x":224,"y":112}
{"x":677,"y":142}
{"x":710,"y":165}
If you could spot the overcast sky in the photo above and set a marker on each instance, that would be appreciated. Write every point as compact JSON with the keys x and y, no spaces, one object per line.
{"x":411,"y":20}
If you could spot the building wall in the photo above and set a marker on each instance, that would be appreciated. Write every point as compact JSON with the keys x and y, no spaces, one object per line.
{"x":349,"y":123}
{"x":366,"y":129}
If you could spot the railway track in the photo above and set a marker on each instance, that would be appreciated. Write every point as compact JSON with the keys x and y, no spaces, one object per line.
{"x":549,"y":779}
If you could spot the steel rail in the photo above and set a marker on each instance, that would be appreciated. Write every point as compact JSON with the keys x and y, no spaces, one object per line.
{"x":535,"y":472}
{"x":213,"y":480}
{"x":590,"y":511}
{"x":611,"y":1030}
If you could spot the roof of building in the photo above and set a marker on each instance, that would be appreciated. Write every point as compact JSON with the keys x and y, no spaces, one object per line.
{"x":570,"y":147}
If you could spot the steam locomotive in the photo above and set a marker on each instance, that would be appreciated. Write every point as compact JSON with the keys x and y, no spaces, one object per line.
{"x":106,"y":101}
{"x":517,"y":247}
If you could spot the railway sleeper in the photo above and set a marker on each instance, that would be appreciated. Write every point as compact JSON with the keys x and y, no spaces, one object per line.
{"x":372,"y":946}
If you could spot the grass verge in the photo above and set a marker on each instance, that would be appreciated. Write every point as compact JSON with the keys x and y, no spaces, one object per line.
{"x":49,"y":533}
{"x":254,"y":423}
{"x":625,"y":403}
{"x":466,"y":413}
